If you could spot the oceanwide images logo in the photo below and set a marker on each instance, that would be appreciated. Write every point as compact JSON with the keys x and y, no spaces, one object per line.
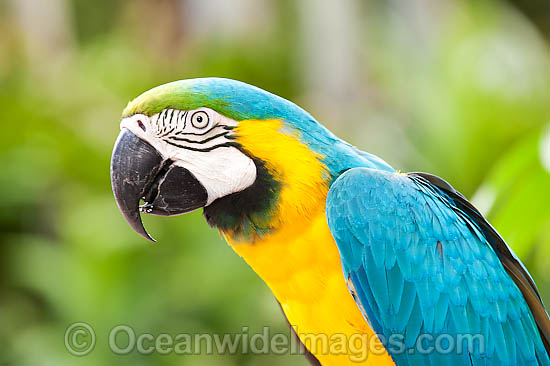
{"x":80,"y":340}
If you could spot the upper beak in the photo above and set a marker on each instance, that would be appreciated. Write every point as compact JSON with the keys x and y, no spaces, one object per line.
{"x":139,"y":172}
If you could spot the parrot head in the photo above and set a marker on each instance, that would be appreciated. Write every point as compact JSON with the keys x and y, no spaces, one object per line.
{"x":251,"y":159}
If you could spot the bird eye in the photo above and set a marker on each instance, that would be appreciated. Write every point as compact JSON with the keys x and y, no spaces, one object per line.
{"x":199,"y":119}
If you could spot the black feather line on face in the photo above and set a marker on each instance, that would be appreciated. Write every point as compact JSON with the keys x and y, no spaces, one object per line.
{"x":167,"y":132}
{"x":247,"y":212}
{"x":206,"y":149}
{"x":199,"y":134}
{"x":176,"y":138}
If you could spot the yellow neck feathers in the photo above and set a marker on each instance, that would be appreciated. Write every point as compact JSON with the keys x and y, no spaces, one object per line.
{"x":301,"y":173}
{"x":299,"y":259}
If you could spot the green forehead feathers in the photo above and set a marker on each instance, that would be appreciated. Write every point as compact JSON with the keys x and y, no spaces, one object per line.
{"x":176,"y":95}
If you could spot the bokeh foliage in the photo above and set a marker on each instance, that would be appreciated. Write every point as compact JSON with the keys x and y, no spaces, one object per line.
{"x":465,"y":95}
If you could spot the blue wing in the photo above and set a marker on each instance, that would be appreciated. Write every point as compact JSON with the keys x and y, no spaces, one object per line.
{"x":431,"y":276}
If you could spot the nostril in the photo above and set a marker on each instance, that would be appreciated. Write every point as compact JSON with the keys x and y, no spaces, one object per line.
{"x":141,"y":125}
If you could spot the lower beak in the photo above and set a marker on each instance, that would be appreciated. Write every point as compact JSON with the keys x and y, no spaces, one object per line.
{"x":139,"y":172}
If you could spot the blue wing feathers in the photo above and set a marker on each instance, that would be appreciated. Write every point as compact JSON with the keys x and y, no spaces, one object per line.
{"x":418,"y":264}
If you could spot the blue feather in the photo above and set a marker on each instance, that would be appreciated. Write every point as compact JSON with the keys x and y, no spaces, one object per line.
{"x":426,"y":267}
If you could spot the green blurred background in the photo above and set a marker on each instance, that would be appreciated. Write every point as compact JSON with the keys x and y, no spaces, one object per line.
{"x":456,"y":88}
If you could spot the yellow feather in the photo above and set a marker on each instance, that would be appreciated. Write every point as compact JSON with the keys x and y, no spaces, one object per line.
{"x":300,"y":261}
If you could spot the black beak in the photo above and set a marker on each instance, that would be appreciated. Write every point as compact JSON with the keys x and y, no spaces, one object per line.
{"x":139,"y":172}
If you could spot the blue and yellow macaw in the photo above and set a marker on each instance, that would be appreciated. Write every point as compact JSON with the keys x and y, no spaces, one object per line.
{"x":347,"y":244}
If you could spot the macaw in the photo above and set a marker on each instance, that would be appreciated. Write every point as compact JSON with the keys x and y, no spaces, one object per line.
{"x":347,"y":244}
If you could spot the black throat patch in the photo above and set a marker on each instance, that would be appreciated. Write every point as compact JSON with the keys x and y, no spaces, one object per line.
{"x":247,"y":213}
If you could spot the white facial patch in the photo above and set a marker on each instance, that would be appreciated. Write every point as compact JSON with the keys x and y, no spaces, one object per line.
{"x":199,"y":141}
